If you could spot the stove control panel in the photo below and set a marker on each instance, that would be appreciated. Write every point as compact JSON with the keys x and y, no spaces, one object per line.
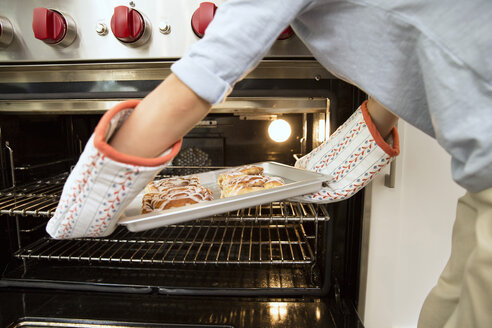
{"x":94,"y":30}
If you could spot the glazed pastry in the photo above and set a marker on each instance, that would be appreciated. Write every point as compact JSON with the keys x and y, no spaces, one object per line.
{"x":175,"y":197}
{"x":224,"y":178}
{"x":250,"y":170}
{"x":240,"y":171}
{"x":167,"y":183}
{"x":248,"y":183}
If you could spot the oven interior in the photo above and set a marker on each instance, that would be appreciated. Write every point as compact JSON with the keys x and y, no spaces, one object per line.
{"x":279,"y":250}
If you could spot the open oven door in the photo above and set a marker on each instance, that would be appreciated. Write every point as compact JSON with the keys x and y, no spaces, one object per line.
{"x":55,"y":308}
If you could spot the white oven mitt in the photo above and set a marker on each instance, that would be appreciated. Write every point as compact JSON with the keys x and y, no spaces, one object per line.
{"x":350,"y":158}
{"x":103,"y":182}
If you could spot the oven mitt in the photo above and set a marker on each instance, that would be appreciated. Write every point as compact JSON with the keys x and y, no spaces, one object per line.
{"x":103,"y":182}
{"x":350,"y":158}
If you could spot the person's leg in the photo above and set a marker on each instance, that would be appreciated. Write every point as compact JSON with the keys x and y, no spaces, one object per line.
{"x":462,"y":296}
{"x":474,"y":307}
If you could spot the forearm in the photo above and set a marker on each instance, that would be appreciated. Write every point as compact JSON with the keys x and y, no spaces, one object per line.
{"x":383,"y":119}
{"x":167,"y":114}
{"x":238,"y":37}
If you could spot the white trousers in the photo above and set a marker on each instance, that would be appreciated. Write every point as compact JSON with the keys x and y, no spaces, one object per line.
{"x":462,"y":297}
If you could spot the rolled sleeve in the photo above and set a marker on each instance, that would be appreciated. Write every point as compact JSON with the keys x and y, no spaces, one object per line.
{"x":239,"y":36}
{"x":204,"y":83}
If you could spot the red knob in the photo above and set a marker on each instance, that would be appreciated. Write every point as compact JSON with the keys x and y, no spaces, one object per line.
{"x":202,"y":17}
{"x":127,"y":24}
{"x":48,"y":25}
{"x":287,"y":33}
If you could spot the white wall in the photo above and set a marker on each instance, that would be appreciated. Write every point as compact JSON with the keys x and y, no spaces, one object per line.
{"x":409,"y":231}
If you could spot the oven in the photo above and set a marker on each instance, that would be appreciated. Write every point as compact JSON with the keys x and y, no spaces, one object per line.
{"x":281,"y":264}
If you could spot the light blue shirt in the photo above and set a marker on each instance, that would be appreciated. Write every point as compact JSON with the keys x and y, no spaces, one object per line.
{"x":428,"y":61}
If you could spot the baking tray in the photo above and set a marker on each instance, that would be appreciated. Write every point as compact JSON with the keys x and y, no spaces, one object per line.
{"x":297,"y":182}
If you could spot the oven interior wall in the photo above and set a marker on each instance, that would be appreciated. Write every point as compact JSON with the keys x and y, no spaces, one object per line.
{"x":44,"y":145}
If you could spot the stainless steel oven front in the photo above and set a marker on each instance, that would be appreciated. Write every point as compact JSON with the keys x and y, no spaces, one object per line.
{"x":282,"y":264}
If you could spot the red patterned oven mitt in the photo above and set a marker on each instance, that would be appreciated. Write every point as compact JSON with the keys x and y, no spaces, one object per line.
{"x":103,"y":182}
{"x":350,"y":158}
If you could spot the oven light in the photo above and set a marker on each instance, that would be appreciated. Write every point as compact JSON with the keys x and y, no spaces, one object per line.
{"x":321,"y":130}
{"x":279,"y":130}
{"x":278,"y":311}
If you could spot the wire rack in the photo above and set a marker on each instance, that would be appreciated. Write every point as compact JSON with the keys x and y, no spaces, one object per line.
{"x":198,"y":242}
{"x":275,"y":233}
{"x":38,"y":198}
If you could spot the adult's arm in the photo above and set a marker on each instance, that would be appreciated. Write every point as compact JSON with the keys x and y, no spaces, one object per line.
{"x":163,"y":117}
{"x":239,"y":36}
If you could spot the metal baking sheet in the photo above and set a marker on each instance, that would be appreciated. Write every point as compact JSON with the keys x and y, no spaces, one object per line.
{"x":297,"y":182}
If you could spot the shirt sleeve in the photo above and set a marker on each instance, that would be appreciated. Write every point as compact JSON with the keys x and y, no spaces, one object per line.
{"x":239,"y":36}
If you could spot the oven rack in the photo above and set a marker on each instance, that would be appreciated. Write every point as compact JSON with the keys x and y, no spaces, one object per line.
{"x":40,"y":199}
{"x":205,"y":241}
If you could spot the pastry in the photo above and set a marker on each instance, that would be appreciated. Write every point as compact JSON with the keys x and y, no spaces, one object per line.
{"x":243,"y":184}
{"x":240,"y":171}
{"x":175,"y":197}
{"x":174,"y":192}
{"x":167,"y":183}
